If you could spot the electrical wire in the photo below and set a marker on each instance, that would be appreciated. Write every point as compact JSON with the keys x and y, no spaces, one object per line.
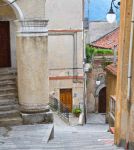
{"x":3,"y":5}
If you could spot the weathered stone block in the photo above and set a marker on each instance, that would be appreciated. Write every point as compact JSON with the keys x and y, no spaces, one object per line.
{"x":44,"y":117}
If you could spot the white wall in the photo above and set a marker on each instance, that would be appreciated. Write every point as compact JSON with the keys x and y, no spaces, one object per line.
{"x":65,"y":48}
{"x":60,"y":51}
{"x":64,"y":14}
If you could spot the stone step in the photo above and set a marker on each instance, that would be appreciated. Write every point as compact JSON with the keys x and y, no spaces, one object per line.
{"x":8,"y":102}
{"x":7,"y":77}
{"x":7,"y":83}
{"x":71,"y":146}
{"x":75,"y":142}
{"x":75,"y":148}
{"x":7,"y":88}
{"x":9,"y":91}
{"x":88,"y":136}
{"x":9,"y":107}
{"x":10,"y":113}
{"x":8,"y":96}
{"x":11,"y":121}
{"x":4,"y":71}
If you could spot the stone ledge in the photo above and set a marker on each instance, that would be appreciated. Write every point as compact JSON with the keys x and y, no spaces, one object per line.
{"x":32,"y":26}
{"x":33,"y":118}
{"x":36,"y":108}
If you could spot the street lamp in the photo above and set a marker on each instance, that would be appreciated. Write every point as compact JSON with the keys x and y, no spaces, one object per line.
{"x":100,"y":78}
{"x":111,"y":16}
{"x":87,"y":67}
{"x":98,"y":82}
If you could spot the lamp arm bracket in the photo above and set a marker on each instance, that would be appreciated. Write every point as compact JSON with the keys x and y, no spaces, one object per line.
{"x":116,"y":6}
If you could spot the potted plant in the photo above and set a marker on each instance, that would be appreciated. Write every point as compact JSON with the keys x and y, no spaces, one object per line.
{"x":77,"y":111}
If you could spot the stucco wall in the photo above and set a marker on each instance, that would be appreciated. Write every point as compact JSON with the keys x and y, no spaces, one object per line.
{"x":6,"y":12}
{"x":60,"y":51}
{"x":77,"y":89}
{"x":32,"y":8}
{"x":64,"y":14}
{"x":124,"y":125}
{"x":111,"y":81}
{"x":91,"y":92}
{"x":65,"y":46}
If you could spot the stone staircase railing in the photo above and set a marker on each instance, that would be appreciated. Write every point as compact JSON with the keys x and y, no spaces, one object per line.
{"x":60,"y":108}
{"x":112,"y":106}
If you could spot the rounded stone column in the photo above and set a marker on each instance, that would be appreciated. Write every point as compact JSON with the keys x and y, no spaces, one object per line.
{"x":32,"y":65}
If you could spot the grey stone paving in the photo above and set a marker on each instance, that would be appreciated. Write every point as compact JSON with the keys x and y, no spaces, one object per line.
{"x":24,"y":137}
{"x":95,"y":118}
{"x":88,"y":137}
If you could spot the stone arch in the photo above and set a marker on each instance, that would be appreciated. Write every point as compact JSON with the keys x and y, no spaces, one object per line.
{"x":99,"y":89}
{"x":16,"y":8}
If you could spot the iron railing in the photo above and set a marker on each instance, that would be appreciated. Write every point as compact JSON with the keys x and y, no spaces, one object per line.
{"x":60,"y":108}
{"x":112,"y":105}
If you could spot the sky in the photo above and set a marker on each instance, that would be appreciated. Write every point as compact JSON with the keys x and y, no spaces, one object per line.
{"x":97,"y":10}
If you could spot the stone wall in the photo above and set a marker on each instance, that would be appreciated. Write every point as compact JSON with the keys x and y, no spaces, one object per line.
{"x":92,"y":88}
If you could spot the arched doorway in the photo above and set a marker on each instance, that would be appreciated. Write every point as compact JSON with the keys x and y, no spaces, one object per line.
{"x":28,"y":42}
{"x":102,"y":101}
{"x":8,"y":13}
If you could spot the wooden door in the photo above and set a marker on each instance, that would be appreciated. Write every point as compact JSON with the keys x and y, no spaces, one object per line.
{"x":5,"y":60}
{"x":66,"y":98}
{"x":102,"y":100}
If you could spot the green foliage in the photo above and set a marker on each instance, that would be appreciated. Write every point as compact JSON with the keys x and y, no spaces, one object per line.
{"x":89,"y":53}
{"x":92,"y":51}
{"x":104,"y":51}
{"x":77,"y":110}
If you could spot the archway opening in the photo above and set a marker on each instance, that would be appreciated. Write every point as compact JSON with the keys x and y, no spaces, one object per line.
{"x":102,"y":101}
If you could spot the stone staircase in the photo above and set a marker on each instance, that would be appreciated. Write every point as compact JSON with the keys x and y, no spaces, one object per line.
{"x":76,"y":137}
{"x":9,"y":108}
{"x":89,"y":137}
{"x":35,"y":137}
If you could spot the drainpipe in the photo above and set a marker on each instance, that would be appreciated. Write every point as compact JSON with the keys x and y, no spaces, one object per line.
{"x":130,"y":70}
{"x":84,"y":58}
{"x":130,"y":55}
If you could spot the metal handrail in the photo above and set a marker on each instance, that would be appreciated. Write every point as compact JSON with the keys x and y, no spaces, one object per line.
{"x":112,"y":105}
{"x":58,"y":106}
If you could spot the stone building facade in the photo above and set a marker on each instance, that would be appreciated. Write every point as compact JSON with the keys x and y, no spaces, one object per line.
{"x":65,"y":51}
{"x":47,"y":53}
{"x":111,"y":81}
{"x":28,"y":38}
{"x":96,"y":94}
